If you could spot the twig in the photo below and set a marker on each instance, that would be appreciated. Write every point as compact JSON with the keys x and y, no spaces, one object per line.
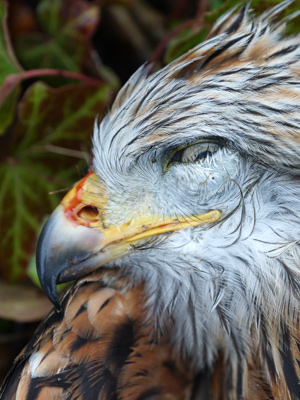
{"x":35,"y":73}
{"x":67,"y":152}
{"x":12,"y":80}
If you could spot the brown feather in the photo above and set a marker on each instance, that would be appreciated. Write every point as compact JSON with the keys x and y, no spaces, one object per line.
{"x":101,"y":346}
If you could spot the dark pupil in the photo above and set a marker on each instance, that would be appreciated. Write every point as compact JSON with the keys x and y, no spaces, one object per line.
{"x":178,"y":156}
{"x":203,"y":154}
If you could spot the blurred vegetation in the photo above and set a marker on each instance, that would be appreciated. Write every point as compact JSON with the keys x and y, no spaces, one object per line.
{"x":61,"y":64}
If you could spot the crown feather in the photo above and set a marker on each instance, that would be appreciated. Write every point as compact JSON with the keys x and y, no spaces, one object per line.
{"x":242,"y":84}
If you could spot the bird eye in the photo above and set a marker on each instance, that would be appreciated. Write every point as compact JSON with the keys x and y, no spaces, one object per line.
{"x":195,"y":153}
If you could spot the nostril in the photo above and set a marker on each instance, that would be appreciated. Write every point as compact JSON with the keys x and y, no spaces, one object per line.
{"x":88,"y":213}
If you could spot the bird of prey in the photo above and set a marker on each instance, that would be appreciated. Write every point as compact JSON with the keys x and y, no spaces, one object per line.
{"x":184,"y":235}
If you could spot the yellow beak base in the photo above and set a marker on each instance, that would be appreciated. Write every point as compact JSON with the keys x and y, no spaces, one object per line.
{"x":77,"y":238}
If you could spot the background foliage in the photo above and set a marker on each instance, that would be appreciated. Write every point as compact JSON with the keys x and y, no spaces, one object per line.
{"x":61,"y":64}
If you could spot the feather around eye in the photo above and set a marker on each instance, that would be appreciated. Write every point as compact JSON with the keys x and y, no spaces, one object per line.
{"x":194,"y":153}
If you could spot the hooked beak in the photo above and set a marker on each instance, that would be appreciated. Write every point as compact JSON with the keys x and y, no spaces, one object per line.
{"x":77,"y":238}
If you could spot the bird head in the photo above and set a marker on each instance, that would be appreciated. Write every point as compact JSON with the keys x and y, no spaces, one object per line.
{"x":194,"y":185}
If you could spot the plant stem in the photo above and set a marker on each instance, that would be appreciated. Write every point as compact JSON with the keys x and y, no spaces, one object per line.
{"x":34,"y":73}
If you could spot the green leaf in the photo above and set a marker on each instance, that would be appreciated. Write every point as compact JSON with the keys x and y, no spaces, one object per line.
{"x":214,"y":4}
{"x":7,"y":109}
{"x":31,"y":271}
{"x":64,"y":42}
{"x":8,"y":62}
{"x":49,"y":15}
{"x":52,"y":128}
{"x":8,"y":66}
